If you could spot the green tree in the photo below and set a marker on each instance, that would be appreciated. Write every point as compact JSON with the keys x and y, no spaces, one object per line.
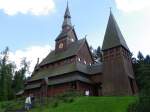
{"x":6,"y":75}
{"x":140,"y":57}
{"x":142,"y":73}
{"x":19,"y":77}
{"x":99,"y":53}
{"x":96,"y":53}
{"x":147,"y":59}
{"x":143,"y":79}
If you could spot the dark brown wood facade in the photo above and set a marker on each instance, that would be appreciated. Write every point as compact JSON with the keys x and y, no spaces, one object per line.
{"x":71,"y":66}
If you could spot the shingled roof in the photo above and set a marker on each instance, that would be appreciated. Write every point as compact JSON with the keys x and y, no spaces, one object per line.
{"x":33,"y":86}
{"x":65,"y":33}
{"x":67,"y":68}
{"x":68,"y":78}
{"x":113,"y":36}
{"x":71,"y":51}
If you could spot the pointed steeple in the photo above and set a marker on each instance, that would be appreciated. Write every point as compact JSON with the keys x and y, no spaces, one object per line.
{"x":113,"y":36}
{"x":67,"y":27}
{"x":67,"y":18}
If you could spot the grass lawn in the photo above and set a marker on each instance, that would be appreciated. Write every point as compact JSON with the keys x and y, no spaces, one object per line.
{"x":91,"y":104}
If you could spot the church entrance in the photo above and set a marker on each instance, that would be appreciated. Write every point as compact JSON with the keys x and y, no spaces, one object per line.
{"x":97,"y":90}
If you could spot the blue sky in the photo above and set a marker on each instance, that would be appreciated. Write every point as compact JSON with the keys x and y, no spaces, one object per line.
{"x":89,"y":18}
{"x":29,"y":27}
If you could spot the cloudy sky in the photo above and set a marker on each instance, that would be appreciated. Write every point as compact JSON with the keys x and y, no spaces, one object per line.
{"x":29,"y":27}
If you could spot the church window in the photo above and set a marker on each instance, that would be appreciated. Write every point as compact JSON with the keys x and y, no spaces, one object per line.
{"x":72,"y":40}
{"x":84,"y":62}
{"x":79,"y":59}
{"x":61,"y":45}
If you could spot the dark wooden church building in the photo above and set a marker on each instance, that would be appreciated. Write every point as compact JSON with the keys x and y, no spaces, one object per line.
{"x":70,"y":66}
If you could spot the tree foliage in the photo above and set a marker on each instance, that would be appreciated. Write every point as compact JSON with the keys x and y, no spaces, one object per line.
{"x":11,"y":81}
{"x":142,"y":73}
{"x":6,"y":75}
{"x":97,"y":54}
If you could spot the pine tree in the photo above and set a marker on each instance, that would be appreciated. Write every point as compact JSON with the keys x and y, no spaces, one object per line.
{"x":6,"y":74}
{"x":140,"y":57}
{"x":19,"y":77}
{"x":147,"y":59}
{"x":142,"y":73}
{"x":99,"y":54}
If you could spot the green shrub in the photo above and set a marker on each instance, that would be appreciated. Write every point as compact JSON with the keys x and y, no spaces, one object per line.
{"x":67,"y":94}
{"x":144,"y":105}
{"x":5,"y":105}
{"x":70,"y":100}
{"x":132,"y":107}
{"x":55,"y":104}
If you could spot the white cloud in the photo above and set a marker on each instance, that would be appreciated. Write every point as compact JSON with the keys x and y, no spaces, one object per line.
{"x":31,"y":54}
{"x":132,"y":5}
{"x":136,"y":23}
{"x":34,"y":7}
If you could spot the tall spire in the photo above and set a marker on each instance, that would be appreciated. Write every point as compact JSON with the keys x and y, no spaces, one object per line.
{"x":67,"y":18}
{"x":67,"y":27}
{"x":113,"y":36}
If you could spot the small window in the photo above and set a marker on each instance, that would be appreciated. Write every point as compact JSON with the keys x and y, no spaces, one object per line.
{"x":72,"y":40}
{"x":84,"y":62}
{"x":79,"y":59}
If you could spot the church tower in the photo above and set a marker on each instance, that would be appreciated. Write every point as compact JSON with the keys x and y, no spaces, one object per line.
{"x":118,"y":76}
{"x":67,"y":35}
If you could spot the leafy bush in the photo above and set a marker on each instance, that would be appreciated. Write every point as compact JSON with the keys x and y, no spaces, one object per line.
{"x":70,"y":100}
{"x":142,"y":105}
{"x":67,"y":97}
{"x":55,"y":104}
{"x":132,"y":107}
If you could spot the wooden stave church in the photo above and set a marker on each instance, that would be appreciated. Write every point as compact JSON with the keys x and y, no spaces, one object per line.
{"x":71,"y":65}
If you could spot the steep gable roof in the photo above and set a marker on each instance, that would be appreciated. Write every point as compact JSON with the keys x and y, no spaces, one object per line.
{"x":113,"y":36}
{"x":71,"y":51}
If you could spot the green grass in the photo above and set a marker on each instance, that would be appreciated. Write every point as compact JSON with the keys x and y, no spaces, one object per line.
{"x":91,"y":104}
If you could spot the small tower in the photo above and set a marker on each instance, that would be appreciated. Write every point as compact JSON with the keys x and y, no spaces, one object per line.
{"x":118,"y":76}
{"x":67,"y":35}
